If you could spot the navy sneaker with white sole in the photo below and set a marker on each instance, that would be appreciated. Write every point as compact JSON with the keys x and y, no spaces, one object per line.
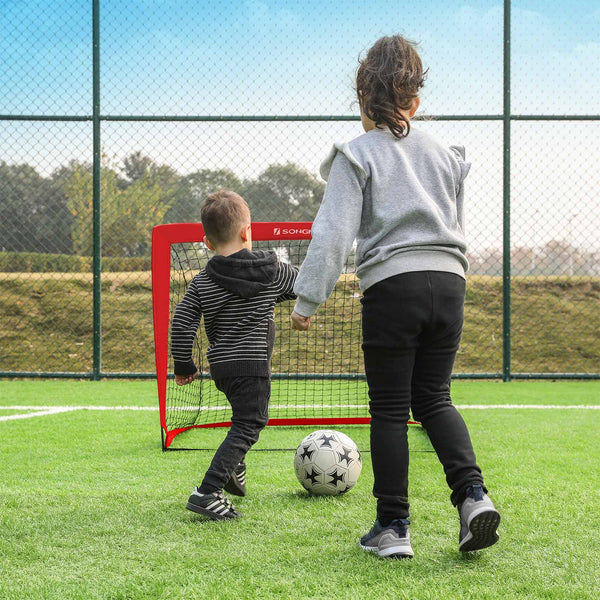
{"x":389,"y":541}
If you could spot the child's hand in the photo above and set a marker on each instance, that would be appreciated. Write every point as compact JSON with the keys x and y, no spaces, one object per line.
{"x":299,"y":322}
{"x":185,"y":379}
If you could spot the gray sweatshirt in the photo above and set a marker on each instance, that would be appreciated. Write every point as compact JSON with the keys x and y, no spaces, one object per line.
{"x":400,"y":199}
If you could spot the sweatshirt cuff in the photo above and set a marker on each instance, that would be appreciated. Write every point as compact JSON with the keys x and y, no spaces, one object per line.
{"x":184,"y":367}
{"x":306,"y":308}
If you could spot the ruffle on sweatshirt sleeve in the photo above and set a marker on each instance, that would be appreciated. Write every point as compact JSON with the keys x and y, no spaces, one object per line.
{"x":465,"y":167}
{"x":344,"y":148}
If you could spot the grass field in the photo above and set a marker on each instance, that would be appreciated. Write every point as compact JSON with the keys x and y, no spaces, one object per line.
{"x":46,"y":324}
{"x":90,"y":508}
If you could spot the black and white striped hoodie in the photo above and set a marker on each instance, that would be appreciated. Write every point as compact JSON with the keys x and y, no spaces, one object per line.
{"x":237,"y":296}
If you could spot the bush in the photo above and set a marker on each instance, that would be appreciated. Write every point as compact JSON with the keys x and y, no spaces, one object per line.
{"x":34,"y":262}
{"x":118,"y":264}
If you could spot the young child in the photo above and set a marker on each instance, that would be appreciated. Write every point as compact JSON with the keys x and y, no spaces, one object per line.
{"x":399,"y":193}
{"x":236,"y":292}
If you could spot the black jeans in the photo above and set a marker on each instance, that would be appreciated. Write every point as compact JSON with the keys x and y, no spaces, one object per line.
{"x":412,"y":325}
{"x":249,"y":399}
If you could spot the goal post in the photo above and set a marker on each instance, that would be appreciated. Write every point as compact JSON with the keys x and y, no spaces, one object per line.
{"x":318,"y":376}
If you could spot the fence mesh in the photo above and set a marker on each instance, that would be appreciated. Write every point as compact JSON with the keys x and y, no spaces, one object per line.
{"x":250,"y":96}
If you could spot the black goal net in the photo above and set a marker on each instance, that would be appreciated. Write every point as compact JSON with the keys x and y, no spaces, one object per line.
{"x":318,"y":375}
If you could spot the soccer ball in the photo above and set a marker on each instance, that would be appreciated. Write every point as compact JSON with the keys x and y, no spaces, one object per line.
{"x":327,"y":463}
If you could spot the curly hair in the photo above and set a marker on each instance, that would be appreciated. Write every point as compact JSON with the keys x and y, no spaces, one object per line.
{"x":387,"y":81}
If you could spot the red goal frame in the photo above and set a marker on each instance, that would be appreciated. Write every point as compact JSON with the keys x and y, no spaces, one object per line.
{"x":163,"y":236}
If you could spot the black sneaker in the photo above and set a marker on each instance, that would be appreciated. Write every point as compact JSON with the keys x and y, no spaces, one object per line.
{"x":478,"y":521}
{"x":214,"y":506}
{"x":237,"y":482}
{"x":391,"y":541}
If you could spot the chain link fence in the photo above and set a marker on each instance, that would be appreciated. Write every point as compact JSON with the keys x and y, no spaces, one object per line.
{"x":116,"y":118}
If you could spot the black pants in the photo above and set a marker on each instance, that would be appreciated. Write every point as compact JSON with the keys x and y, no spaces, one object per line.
{"x":412,"y":325}
{"x":249,"y":399}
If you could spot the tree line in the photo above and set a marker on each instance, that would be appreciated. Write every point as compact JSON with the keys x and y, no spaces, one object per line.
{"x":53,"y":215}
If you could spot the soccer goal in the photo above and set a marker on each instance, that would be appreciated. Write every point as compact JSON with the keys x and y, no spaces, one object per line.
{"x":318,"y":376}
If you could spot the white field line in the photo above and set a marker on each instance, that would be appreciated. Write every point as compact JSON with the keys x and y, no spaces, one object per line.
{"x":40,"y":413}
{"x":77,"y":407}
{"x":52,"y":410}
{"x":530,"y":406}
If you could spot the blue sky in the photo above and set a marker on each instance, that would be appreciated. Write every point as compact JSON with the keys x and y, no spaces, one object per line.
{"x":184,"y":57}
{"x":269,"y":57}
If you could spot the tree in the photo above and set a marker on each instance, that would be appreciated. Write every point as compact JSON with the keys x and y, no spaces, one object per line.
{"x":78,"y":191}
{"x":128,"y":213}
{"x":192,"y":189}
{"x":284,"y":193}
{"x":55,"y":214}
{"x":136,"y":166}
{"x":33,"y":211}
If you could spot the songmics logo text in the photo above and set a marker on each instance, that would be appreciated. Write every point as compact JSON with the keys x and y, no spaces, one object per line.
{"x":290,"y":231}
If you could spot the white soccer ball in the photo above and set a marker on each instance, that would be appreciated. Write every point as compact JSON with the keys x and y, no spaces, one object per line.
{"x":327,"y":463}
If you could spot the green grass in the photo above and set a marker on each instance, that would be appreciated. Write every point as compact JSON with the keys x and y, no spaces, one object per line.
{"x":90,"y":508}
{"x":46,"y":325}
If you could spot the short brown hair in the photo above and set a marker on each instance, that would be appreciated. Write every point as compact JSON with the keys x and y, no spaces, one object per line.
{"x":222,"y":214}
{"x":387,"y":80}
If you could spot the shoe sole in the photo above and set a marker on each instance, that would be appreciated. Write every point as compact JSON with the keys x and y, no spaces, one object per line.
{"x":482,"y":531}
{"x":392,"y":552}
{"x":209,"y":513}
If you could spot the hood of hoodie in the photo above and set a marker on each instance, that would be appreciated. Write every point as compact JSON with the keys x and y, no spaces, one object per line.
{"x":244,"y":273}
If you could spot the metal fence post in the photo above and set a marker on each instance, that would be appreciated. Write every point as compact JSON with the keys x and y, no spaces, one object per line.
{"x":96,"y":213}
{"x":506,"y":345}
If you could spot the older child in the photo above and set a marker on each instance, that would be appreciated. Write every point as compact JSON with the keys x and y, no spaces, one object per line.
{"x":236,"y":293}
{"x":399,"y":193}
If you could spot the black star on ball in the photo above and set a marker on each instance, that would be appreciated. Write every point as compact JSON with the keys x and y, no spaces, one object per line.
{"x":306,"y":453}
{"x":335,"y":477}
{"x":345,"y":455}
{"x":312,"y":476}
{"x":326,"y":440}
